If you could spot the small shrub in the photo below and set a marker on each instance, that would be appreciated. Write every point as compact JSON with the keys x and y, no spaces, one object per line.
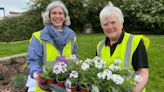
{"x":13,"y":61}
{"x":18,"y":80}
{"x":1,"y":76}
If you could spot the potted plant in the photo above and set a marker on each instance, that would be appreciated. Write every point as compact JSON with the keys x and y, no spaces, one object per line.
{"x":48,"y":74}
{"x":84,"y":77}
{"x":72,"y":81}
{"x":113,"y":79}
{"x":60,"y":69}
{"x":89,"y":70}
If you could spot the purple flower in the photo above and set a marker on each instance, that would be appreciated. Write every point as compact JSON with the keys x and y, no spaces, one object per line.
{"x":73,"y":74}
{"x":62,"y":59}
{"x":65,"y":61}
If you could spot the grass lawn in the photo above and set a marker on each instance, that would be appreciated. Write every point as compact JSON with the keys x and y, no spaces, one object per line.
{"x":156,"y":64}
{"x":87,"y":44}
{"x":87,"y":49}
{"x":7,"y":49}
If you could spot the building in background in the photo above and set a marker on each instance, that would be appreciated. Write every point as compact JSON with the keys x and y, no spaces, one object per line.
{"x":14,"y":14}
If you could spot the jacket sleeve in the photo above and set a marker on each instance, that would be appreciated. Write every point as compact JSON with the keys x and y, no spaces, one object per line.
{"x":35,"y":54}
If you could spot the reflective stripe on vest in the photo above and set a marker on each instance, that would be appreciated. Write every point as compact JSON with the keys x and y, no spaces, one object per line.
{"x":100,"y":47}
{"x":128,"y":52}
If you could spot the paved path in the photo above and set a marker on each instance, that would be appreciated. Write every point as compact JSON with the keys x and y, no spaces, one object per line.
{"x":9,"y":57}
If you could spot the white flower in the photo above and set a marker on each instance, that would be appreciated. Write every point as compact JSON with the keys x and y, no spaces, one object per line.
{"x":68,"y":83}
{"x":89,"y":61}
{"x":73,"y":74}
{"x":73,"y":57}
{"x":62,"y":64}
{"x":117,"y":68}
{"x":114,"y":67}
{"x":85,"y":66}
{"x":117,"y":79}
{"x":56,"y":69}
{"x":111,"y":67}
{"x":79,"y":62}
{"x":95,"y":88}
{"x":108,"y":74}
{"x":60,"y":67}
{"x":101,"y":75}
{"x":100,"y":65}
{"x":117,"y":61}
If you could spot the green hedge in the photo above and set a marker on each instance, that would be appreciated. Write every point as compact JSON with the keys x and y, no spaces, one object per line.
{"x":19,"y":28}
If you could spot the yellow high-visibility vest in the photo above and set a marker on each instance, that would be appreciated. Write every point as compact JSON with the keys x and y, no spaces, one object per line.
{"x":51,"y":52}
{"x":123,"y":51}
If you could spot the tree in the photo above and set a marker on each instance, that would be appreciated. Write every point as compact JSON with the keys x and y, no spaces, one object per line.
{"x":38,"y":6}
{"x":77,"y":12}
{"x":147,"y":14}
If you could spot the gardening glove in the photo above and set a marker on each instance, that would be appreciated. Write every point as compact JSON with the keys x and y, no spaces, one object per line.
{"x":41,"y":82}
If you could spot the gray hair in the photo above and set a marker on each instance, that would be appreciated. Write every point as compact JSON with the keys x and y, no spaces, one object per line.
{"x":45,"y":15}
{"x":110,"y":10}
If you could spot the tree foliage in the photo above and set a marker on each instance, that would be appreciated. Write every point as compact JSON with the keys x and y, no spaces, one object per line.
{"x":77,"y":13}
{"x":139,"y":14}
{"x":144,"y":14}
{"x":147,"y":15}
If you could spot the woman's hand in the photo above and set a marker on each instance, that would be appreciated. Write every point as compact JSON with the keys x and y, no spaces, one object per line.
{"x":41,"y":82}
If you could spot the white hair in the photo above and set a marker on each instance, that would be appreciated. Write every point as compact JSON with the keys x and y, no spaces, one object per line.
{"x":46,"y":17}
{"x":110,"y":10}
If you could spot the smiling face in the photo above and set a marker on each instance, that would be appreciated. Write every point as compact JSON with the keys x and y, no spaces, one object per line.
{"x":112,"y":28}
{"x":57,"y":17}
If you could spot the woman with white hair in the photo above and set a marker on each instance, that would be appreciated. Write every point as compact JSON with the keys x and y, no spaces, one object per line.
{"x":55,"y":39}
{"x":118,"y":44}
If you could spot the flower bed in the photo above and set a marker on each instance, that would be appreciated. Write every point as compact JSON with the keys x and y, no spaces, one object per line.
{"x":9,"y":68}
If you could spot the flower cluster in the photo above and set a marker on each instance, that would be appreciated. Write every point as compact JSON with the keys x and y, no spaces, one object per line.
{"x":106,"y":78}
{"x":62,"y":59}
{"x":94,"y":73}
{"x":73,"y":77}
{"x":89,"y":70}
{"x":60,"y":68}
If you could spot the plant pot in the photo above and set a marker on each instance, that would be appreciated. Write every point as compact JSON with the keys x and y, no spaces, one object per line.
{"x":72,"y":89}
{"x":82,"y":89}
{"x":50,"y":81}
{"x":60,"y":83}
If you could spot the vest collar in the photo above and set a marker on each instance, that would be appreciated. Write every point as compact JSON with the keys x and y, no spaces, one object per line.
{"x":118,"y":42}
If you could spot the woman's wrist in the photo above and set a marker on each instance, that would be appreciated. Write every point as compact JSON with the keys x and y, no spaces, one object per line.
{"x":36,"y":75}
